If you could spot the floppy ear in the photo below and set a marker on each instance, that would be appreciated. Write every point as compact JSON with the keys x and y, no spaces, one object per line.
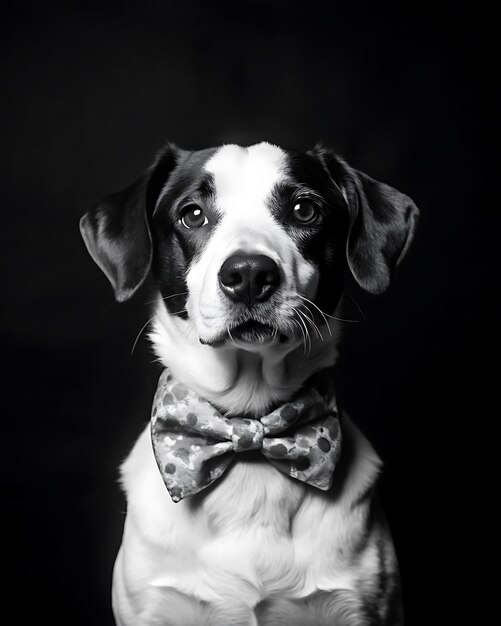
{"x":382,"y":223}
{"x":116,"y":231}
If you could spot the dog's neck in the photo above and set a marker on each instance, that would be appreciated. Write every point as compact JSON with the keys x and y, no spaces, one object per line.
{"x":238,"y":381}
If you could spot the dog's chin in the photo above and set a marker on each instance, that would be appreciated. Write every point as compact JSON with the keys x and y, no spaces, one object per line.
{"x":249,"y":335}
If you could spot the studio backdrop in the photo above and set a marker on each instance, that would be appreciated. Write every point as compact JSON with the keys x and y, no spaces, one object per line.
{"x":91,"y":91}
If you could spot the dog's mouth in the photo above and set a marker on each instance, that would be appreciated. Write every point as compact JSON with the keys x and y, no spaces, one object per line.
{"x":252,"y":331}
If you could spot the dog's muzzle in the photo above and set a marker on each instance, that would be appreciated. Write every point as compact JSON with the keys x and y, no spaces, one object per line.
{"x":250,"y":279}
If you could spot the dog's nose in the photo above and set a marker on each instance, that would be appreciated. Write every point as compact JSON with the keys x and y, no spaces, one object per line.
{"x":249,"y":278}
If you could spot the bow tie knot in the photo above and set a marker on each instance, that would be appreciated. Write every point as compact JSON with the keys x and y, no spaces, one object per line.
{"x":246,"y":434}
{"x":194,"y":443}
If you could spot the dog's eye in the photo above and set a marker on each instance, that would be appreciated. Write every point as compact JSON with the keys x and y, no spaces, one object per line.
{"x":192,"y":216}
{"x":305,"y":211}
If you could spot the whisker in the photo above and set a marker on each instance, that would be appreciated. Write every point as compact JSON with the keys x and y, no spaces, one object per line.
{"x":303,"y":316}
{"x":296,"y":323}
{"x":339,"y":319}
{"x":174,"y":295}
{"x":305,"y":328}
{"x":232,"y":340}
{"x":188,"y":332}
{"x":356,"y":304}
{"x":139,"y":333}
{"x":321,"y":313}
{"x":310,"y":320}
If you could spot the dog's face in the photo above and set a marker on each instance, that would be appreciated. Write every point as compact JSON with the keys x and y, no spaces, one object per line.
{"x":250,"y":244}
{"x":242,"y":234}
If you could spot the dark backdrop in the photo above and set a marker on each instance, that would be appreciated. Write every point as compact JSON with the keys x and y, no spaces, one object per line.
{"x":91,"y":91}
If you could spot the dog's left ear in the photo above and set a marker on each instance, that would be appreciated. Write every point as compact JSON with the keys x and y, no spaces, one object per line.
{"x":382,"y":222}
{"x":117,"y":233}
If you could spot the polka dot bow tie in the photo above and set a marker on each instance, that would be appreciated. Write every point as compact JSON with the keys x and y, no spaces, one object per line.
{"x":194,"y":443}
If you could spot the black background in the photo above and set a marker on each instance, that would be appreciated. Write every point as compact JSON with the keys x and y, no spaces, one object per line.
{"x":91,"y":91}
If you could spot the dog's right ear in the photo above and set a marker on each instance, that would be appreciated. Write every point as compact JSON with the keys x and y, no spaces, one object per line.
{"x":117,"y":233}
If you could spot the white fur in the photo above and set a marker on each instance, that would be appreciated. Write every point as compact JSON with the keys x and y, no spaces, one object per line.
{"x":243,"y":179}
{"x":256,"y":535}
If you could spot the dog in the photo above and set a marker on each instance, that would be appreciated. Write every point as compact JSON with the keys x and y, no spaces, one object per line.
{"x":248,"y":249}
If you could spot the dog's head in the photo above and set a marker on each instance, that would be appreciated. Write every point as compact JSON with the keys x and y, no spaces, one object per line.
{"x":250,"y":243}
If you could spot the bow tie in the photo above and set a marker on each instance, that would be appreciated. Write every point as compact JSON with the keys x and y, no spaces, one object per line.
{"x":194,"y":443}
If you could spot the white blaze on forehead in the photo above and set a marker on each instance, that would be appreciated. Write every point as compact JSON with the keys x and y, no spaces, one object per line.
{"x":244,"y":177}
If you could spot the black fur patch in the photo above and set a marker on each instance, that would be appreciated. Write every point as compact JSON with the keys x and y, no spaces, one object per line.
{"x":175,"y":246}
{"x":323,"y":242}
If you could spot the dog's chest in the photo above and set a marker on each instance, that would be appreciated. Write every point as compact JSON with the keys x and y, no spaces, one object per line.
{"x":250,"y":523}
{"x":254,"y":532}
